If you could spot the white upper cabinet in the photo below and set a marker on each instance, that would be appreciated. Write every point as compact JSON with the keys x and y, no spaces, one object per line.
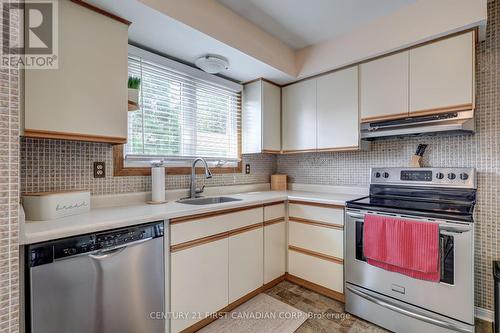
{"x":261,"y":117}
{"x":337,"y":110}
{"x":384,"y":87}
{"x":442,"y":75}
{"x":299,"y":116}
{"x":86,"y":97}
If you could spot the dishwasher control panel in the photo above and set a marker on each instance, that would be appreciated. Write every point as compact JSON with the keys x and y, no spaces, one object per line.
{"x":45,"y":253}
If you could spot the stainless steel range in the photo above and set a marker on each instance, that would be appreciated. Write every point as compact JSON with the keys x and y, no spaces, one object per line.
{"x":398,"y":302}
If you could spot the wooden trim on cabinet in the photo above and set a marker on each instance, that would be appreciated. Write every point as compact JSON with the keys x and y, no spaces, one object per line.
{"x":198,"y":242}
{"x":269,"y":151}
{"x":319,"y":150}
{"x":318,"y":204}
{"x":299,"y":151}
{"x":245,"y":229}
{"x":316,"y":223}
{"x":316,"y":254}
{"x":204,"y":322}
{"x":101,"y":11}
{"x":348,"y":148}
{"x":31,"y":133}
{"x":119,"y":169}
{"x":315,"y":287}
{"x":211,"y":214}
{"x":387,"y":117}
{"x":275,"y":203}
{"x":452,"y":108}
{"x":274,"y":221}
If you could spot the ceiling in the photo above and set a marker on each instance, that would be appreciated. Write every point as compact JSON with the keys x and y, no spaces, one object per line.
{"x":160,"y":33}
{"x":300,"y":23}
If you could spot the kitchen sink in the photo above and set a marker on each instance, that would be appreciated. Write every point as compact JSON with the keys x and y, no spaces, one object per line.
{"x":207,"y":201}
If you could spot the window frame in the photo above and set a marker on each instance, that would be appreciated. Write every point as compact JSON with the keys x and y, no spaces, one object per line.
{"x":119,"y":167}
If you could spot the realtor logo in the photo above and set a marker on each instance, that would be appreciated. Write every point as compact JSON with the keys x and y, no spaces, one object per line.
{"x":29,"y":38}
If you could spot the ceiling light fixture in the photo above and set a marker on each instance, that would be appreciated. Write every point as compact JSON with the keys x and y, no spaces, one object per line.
{"x":212,"y":63}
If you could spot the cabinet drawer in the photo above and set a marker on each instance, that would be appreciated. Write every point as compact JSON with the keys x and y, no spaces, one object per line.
{"x":316,"y":212}
{"x":274,"y":211}
{"x":320,"y":239}
{"x":322,"y":272}
{"x":187,"y":230}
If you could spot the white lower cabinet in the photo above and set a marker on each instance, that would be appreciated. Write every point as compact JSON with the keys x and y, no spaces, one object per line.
{"x":319,"y":239}
{"x":245,"y":263}
{"x":274,"y":251}
{"x":199,"y":280}
{"x":316,"y":270}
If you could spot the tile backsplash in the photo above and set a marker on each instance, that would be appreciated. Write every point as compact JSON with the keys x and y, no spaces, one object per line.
{"x":9,"y":187}
{"x":50,"y":165}
{"x":481,"y":151}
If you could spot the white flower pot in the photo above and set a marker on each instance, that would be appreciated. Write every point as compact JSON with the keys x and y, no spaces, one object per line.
{"x":133,"y":99}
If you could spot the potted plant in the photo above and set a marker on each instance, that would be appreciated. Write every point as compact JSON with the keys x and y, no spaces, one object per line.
{"x":133,"y":93}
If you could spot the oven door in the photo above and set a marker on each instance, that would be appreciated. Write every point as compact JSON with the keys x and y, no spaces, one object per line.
{"x":452,"y":297}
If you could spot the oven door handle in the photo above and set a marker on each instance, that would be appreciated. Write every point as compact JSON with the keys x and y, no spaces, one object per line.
{"x":355,"y":215}
{"x":447,"y":230}
{"x":400,"y":309}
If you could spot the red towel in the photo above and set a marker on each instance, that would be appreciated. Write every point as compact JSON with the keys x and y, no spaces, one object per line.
{"x":403,"y":246}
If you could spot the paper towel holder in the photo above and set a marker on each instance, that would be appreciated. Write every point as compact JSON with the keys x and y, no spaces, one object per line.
{"x":157,"y":177}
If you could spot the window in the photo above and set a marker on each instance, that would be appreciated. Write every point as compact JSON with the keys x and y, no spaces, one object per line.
{"x":181,"y":117}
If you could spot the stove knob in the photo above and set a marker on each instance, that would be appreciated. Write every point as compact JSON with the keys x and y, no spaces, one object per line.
{"x":72,"y":251}
{"x":464,"y":176}
{"x":451,"y":176}
{"x":439,"y":175}
{"x":377,"y":174}
{"x":385,"y":175}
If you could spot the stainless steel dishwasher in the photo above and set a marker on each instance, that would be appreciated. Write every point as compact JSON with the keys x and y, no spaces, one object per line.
{"x":98,"y":283}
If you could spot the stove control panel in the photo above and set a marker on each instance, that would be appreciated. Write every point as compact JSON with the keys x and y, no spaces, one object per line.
{"x":444,"y":177}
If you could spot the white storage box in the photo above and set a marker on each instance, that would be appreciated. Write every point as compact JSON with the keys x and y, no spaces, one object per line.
{"x":52,"y":205}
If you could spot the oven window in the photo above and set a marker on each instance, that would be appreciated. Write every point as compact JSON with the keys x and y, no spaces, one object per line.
{"x":446,"y":244}
{"x":359,"y":241}
{"x":446,"y":253}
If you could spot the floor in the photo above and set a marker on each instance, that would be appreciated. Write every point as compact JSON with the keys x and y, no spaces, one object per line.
{"x":329,"y":315}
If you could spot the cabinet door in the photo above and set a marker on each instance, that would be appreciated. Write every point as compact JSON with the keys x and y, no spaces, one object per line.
{"x":271,"y":117}
{"x":199,"y":282}
{"x":274,"y":251}
{"x":299,"y":116}
{"x":337,"y":109}
{"x":442,"y":75}
{"x":245,"y":263}
{"x":384,"y":87}
{"x":87,"y":94}
{"x":251,"y":118}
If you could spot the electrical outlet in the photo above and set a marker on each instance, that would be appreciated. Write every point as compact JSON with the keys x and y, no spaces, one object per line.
{"x":99,"y":170}
{"x":247,"y":169}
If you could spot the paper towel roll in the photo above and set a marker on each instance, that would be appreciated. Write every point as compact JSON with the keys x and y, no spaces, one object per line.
{"x":158,"y":184}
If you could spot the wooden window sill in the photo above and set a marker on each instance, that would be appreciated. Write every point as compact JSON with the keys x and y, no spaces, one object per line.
{"x":119,"y":169}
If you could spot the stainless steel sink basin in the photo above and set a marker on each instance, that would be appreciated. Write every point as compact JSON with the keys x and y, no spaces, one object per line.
{"x":207,"y":201}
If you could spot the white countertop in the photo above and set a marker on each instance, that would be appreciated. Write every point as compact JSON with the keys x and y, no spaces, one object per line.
{"x":105,"y":218}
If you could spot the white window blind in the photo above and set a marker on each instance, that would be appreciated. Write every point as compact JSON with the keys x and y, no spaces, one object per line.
{"x":181,"y":117}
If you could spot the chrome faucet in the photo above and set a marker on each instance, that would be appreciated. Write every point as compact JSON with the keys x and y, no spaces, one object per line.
{"x":193,"y":192}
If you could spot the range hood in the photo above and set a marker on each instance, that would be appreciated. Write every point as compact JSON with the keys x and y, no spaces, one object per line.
{"x":460,"y":122}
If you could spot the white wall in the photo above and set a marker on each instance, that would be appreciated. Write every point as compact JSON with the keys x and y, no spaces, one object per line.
{"x":413,"y":24}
